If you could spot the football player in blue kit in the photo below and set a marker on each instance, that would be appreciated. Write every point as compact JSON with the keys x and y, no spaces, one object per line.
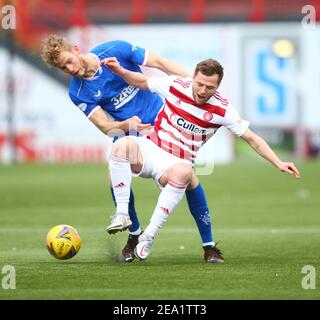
{"x":100,"y":94}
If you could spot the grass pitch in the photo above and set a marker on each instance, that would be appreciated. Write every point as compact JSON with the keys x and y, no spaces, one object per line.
{"x":268,"y":224}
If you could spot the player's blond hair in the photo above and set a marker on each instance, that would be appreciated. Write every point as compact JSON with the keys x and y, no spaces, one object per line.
{"x":52,"y":46}
{"x":210,"y":67}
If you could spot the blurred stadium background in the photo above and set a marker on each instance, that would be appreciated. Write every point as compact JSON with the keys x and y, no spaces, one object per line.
{"x":270,"y":51}
{"x":269,"y":223}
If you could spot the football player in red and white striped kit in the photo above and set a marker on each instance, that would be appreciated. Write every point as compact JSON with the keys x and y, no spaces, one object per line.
{"x":192,"y":113}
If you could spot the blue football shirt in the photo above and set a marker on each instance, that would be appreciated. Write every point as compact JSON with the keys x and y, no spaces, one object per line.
{"x":111,"y":92}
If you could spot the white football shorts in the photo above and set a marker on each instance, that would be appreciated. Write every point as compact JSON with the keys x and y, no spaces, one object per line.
{"x":156,"y":161}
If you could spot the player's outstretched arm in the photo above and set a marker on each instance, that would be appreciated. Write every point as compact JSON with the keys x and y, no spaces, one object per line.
{"x":112,"y":128}
{"x":264,"y":150}
{"x":136,"y":79}
{"x":166,"y":65}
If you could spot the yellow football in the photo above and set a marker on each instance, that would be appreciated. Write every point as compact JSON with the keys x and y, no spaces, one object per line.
{"x":63,"y":242}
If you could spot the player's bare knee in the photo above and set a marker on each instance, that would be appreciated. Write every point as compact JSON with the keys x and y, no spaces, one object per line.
{"x":182,"y":173}
{"x":128,"y":148}
{"x":120,"y":147}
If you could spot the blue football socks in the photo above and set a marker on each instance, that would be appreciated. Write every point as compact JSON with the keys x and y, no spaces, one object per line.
{"x":199,"y":209}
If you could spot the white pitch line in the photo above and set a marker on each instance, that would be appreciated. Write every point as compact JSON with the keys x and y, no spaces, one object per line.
{"x":245,"y":230}
{"x":257,"y":230}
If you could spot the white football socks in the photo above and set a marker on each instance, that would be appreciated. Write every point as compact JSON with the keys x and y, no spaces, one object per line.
{"x":121,"y":177}
{"x":169,"y":198}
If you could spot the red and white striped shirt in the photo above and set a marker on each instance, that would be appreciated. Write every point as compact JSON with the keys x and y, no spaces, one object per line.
{"x":183,"y":126}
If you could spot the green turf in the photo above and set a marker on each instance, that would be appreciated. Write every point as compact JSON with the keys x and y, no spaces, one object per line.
{"x":268,"y":224}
